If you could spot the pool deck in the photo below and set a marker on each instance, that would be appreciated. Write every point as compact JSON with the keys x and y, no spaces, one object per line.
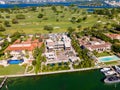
{"x":108,"y":60}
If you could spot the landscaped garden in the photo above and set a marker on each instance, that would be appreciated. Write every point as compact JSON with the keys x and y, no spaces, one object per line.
{"x":111,"y":63}
{"x":12,"y":69}
{"x":103,"y":54}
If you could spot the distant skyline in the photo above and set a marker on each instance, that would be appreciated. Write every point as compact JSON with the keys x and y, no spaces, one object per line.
{"x":57,"y":0}
{"x":32,"y":1}
{"x":46,"y":0}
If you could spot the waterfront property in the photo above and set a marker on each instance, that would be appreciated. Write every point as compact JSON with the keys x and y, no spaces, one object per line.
{"x":57,"y":41}
{"x":59,"y":49}
{"x":108,"y":58}
{"x":21,"y":46}
{"x":58,"y":46}
{"x":94,"y":44}
{"x":22,"y":49}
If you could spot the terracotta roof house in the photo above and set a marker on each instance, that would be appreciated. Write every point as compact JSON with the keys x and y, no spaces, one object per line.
{"x":28,"y":45}
{"x":94,"y":44}
{"x":113,"y":36}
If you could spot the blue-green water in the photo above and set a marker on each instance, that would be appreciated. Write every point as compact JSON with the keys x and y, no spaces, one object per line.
{"x":15,"y":61}
{"x":87,"y":80}
{"x":109,"y":58}
{"x":53,"y":3}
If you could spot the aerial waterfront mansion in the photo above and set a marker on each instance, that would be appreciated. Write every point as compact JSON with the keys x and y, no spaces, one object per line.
{"x":58,"y":48}
{"x":94,"y":44}
{"x":23,"y":45}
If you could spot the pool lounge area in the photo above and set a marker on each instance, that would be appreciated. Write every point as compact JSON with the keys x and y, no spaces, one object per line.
{"x":108,"y":58}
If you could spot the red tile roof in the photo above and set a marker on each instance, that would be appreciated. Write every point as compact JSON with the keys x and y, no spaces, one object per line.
{"x":99,"y":46}
{"x":113,"y":36}
{"x":91,"y":44}
{"x":26,"y":45}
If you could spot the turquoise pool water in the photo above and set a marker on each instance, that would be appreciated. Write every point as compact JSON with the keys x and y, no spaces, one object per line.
{"x":108,"y":58}
{"x":15,"y":61}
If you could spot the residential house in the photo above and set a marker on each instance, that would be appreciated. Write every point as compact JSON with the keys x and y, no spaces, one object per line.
{"x":94,"y":44}
{"x":58,"y":42}
{"x":56,"y":47}
{"x":113,"y":36}
{"x":21,"y":46}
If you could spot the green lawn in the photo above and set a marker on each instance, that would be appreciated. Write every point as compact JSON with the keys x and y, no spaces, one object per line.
{"x":12,"y":69}
{"x":103,"y":54}
{"x":32,"y":24}
{"x":111,"y":63}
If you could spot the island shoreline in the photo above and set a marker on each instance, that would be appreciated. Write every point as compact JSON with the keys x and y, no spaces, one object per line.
{"x":49,"y":73}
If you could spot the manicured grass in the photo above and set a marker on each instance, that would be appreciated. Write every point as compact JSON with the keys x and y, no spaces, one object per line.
{"x":12,"y":70}
{"x":32,"y":24}
{"x":29,"y":68}
{"x":103,"y":54}
{"x":111,"y":63}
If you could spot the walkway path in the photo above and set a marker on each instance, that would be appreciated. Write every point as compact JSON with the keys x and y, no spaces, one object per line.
{"x":1,"y":85}
{"x":71,"y":66}
{"x":55,"y":72}
{"x":26,"y":69}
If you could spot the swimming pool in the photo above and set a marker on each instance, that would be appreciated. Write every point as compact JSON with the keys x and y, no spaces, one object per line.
{"x":15,"y":61}
{"x":108,"y":58}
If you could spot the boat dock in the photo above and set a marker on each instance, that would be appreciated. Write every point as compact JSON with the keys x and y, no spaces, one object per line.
{"x":112,"y":74}
{"x":115,"y":71}
{"x":3,"y":82}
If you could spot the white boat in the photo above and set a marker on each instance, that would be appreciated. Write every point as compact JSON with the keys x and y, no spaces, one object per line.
{"x":117,"y":69}
{"x":105,"y":69}
{"x":112,"y":79}
{"x":108,"y":73}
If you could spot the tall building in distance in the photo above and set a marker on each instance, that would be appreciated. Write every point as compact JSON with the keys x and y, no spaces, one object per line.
{"x":2,"y":2}
{"x":114,"y":3}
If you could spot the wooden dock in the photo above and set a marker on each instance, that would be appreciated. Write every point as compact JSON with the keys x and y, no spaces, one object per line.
{"x":115,"y":71}
{"x":3,"y":82}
